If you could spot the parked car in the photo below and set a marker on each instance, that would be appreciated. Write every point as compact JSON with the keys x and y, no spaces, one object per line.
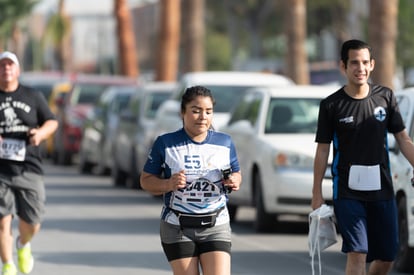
{"x":43,"y":81}
{"x":99,"y":129}
{"x":57,"y":94}
{"x":75,"y":108}
{"x":402,"y":173}
{"x":134,"y":132}
{"x":227,"y":88}
{"x":273,"y":129}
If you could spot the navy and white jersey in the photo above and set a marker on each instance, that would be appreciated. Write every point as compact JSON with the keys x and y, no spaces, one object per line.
{"x":358,"y":130}
{"x":202,"y":163}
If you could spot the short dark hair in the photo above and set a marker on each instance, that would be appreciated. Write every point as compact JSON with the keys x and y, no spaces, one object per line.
{"x":194,"y":91}
{"x":353,"y":44}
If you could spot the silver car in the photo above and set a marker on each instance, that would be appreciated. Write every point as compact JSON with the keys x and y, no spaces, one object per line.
{"x":133,"y":137}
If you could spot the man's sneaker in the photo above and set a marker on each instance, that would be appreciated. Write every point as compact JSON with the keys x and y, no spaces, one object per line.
{"x":9,"y":269}
{"x":25,"y":259}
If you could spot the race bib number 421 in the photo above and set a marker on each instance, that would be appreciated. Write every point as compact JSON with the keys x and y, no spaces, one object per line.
{"x":201,"y":191}
{"x":12,"y":149}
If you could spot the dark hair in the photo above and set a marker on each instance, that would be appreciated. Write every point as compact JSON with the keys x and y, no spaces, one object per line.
{"x":192,"y":92}
{"x":353,"y":44}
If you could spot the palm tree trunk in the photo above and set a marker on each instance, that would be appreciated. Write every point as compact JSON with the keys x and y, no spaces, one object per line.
{"x":296,"y":58}
{"x":382,"y":36}
{"x":127,"y":51}
{"x":168,"y":49}
{"x":64,"y":49}
{"x":193,"y":35}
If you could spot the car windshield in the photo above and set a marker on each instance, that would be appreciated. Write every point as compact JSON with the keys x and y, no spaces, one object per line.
{"x":86,"y":93}
{"x":292,"y":115}
{"x":45,"y":89}
{"x":225,"y":96}
{"x":154,"y":101}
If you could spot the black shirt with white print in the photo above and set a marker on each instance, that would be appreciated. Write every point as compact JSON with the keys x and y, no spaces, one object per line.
{"x":21,"y":110}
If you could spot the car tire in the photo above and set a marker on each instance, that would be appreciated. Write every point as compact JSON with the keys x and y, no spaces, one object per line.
{"x":55,"y":154}
{"x":404,"y":261}
{"x":101,"y":167}
{"x":119,"y":177}
{"x":85,"y":167}
{"x":264,"y":222}
{"x":232,"y":211}
{"x":134,"y":173}
{"x":63,"y":157}
{"x":66,"y":158}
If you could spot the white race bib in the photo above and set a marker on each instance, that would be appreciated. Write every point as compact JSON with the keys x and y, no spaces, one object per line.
{"x":13,"y":149}
{"x":364,"y":178}
{"x":201,"y":190}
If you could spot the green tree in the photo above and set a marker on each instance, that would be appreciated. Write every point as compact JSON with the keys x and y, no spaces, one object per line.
{"x":405,"y":41}
{"x":11,"y":12}
{"x":58,"y":34}
{"x":218,"y":60}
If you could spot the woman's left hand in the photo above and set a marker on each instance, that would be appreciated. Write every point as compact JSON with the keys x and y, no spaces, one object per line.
{"x":233,"y":182}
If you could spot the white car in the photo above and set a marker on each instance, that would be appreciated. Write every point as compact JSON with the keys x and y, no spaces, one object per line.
{"x":274,"y":133}
{"x":402,"y":173}
{"x":227,"y":88}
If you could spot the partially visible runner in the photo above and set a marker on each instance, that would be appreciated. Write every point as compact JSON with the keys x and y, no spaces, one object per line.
{"x":357,"y":119}
{"x":194,"y":168}
{"x":25,"y":121}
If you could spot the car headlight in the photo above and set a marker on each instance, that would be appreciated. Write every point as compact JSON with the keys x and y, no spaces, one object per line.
{"x":292,"y":160}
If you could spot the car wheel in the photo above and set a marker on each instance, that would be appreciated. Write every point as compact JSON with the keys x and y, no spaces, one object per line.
{"x":55,"y":153}
{"x":55,"y":157}
{"x":119,"y":177}
{"x":232,"y":211}
{"x":63,"y":157}
{"x":101,"y":168}
{"x":264,"y":222}
{"x":85,"y":167}
{"x":134,"y":174}
{"x":404,"y":261}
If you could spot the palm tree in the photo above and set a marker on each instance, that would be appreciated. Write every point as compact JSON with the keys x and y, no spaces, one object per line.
{"x":168,"y":49}
{"x":382,"y":35}
{"x":296,"y":57}
{"x":58,"y":33}
{"x":193,"y":33}
{"x":11,"y":12}
{"x":127,"y":52}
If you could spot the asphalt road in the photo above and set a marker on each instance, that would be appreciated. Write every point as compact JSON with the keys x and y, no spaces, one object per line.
{"x":93,"y":228}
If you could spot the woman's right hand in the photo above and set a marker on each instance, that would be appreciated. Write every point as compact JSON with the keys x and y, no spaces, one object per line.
{"x":177,"y":181}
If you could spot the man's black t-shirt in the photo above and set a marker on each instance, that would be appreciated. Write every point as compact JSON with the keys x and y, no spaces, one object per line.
{"x":358,"y":131}
{"x":20,"y":111}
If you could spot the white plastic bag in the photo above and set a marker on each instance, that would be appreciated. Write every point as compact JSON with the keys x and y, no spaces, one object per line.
{"x":322,"y":232}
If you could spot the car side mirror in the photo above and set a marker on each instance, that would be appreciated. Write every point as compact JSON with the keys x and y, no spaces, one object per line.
{"x":242,"y":125}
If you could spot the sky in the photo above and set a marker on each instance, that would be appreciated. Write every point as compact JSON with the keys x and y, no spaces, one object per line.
{"x":87,"y":6}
